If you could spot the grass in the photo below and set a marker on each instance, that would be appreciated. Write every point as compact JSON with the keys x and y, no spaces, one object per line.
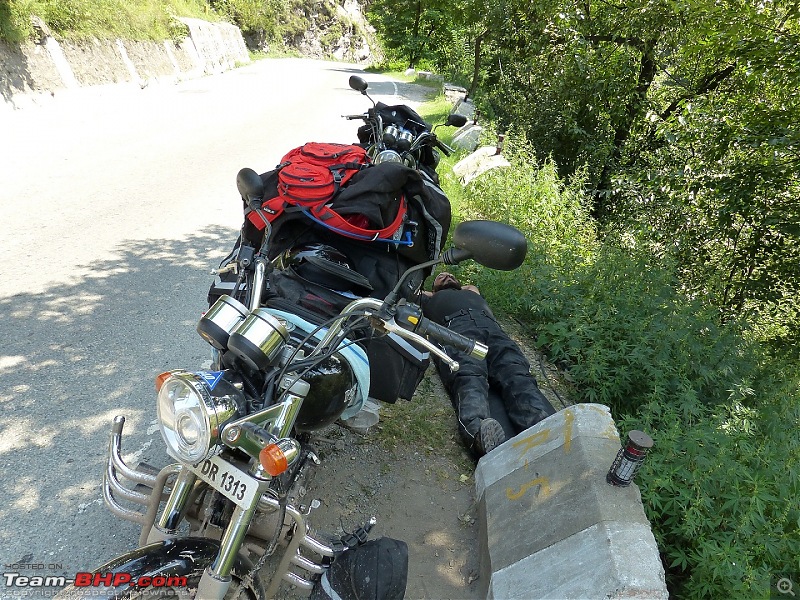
{"x":86,"y":19}
{"x":426,"y":423}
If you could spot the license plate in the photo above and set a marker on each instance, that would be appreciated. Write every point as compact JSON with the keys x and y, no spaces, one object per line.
{"x":233,"y":483}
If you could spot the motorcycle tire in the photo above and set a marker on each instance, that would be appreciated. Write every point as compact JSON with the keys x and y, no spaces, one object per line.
{"x":185,"y":557}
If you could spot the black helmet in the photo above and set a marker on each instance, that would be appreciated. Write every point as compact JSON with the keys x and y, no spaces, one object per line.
{"x":324,"y":265}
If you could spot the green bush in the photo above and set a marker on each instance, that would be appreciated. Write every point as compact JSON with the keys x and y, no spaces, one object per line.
{"x":721,"y":484}
{"x":720,"y":489}
{"x":256,"y":18}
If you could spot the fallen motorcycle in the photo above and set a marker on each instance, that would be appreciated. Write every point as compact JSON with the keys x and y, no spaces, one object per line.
{"x":240,"y":436}
{"x":311,"y":314}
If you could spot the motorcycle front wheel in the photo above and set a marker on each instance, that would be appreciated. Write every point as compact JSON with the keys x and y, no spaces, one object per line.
{"x":160,"y":564}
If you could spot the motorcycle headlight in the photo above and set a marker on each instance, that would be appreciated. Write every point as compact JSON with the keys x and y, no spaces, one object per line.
{"x":191,"y":417}
{"x":387,"y":156}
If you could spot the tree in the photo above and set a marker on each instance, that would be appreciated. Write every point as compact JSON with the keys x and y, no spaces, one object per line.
{"x":410,"y":27}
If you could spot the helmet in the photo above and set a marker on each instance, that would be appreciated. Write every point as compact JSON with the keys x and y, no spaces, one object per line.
{"x":324,"y":265}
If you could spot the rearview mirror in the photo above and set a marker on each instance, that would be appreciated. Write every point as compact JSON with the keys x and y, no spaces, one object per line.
{"x":456,"y":120}
{"x":489,"y":243}
{"x":358,"y":84}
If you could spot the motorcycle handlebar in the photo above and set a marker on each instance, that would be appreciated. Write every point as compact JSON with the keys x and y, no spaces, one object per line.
{"x":355,"y":117}
{"x":447,"y":150}
{"x":447,"y":337}
{"x":409,"y":316}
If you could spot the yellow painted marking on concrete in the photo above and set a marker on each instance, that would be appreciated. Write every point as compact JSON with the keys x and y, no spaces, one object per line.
{"x":541,"y":481}
{"x":532,"y":441}
{"x":569,"y":418}
{"x":610,"y":433}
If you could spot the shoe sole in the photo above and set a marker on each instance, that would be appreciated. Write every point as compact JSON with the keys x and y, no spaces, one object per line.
{"x":490,"y":436}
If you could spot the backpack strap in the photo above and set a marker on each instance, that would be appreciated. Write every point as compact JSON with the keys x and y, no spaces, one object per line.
{"x":270,"y":209}
{"x":330,"y":218}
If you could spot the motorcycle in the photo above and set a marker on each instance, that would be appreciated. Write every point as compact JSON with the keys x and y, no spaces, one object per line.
{"x":240,"y":434}
{"x":398,"y":134}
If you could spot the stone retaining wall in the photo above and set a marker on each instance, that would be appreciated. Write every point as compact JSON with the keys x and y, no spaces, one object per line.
{"x":47,"y":66}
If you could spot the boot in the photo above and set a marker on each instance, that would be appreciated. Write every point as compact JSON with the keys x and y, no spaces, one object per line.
{"x":489,"y":436}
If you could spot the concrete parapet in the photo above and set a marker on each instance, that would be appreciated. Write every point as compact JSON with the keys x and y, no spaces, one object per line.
{"x":482,"y":160}
{"x":467,"y":137}
{"x":51,"y":65}
{"x":551,"y":527}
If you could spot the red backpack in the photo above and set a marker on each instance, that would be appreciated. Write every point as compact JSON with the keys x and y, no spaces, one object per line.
{"x":308,"y":179}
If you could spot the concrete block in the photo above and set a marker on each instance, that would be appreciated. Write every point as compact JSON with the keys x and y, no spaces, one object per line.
{"x":482,"y":160}
{"x":464,"y":107}
{"x":555,"y":497}
{"x":544,"y":502}
{"x":467,"y":137}
{"x":429,"y":76}
{"x":454,"y":93}
{"x":556,"y":431}
{"x":607,"y":560}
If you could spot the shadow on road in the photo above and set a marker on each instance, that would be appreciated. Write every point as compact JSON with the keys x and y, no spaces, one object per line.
{"x":73,"y":358}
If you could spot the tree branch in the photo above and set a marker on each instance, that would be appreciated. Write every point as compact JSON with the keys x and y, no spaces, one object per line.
{"x":709,"y":83}
{"x":637,"y":43}
{"x":622,"y":130}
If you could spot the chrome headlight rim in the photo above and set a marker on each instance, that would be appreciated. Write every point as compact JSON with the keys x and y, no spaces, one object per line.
{"x":387,"y":156}
{"x":190,"y":417}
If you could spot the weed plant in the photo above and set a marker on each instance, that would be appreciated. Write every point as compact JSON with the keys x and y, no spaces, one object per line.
{"x":721,"y":485}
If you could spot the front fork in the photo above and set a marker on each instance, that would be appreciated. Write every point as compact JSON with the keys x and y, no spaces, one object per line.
{"x":217,"y":577}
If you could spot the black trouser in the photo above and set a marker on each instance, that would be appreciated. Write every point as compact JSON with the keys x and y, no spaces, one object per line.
{"x":505,"y":368}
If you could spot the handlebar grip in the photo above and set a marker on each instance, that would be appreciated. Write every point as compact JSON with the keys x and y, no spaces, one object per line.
{"x":354,"y":117}
{"x":447,"y":150}
{"x":446,"y":336}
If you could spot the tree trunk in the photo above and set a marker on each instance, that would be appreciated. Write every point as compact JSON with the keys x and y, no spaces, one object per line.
{"x":413,"y":52}
{"x":622,"y":131}
{"x":476,"y":68}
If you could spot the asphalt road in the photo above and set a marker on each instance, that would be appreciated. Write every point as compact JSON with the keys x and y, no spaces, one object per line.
{"x":115,"y":204}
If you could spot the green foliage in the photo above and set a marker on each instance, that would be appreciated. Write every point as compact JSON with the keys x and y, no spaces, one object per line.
{"x":719,"y":485}
{"x":257,"y":18}
{"x":413,"y":30}
{"x":14,"y":23}
{"x":82,"y":19}
{"x":718,"y":489}
{"x":680,"y":118}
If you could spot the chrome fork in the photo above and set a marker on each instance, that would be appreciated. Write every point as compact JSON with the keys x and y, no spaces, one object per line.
{"x":216,"y":578}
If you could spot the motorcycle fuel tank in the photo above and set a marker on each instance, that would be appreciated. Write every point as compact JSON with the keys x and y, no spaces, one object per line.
{"x":332,"y":389}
